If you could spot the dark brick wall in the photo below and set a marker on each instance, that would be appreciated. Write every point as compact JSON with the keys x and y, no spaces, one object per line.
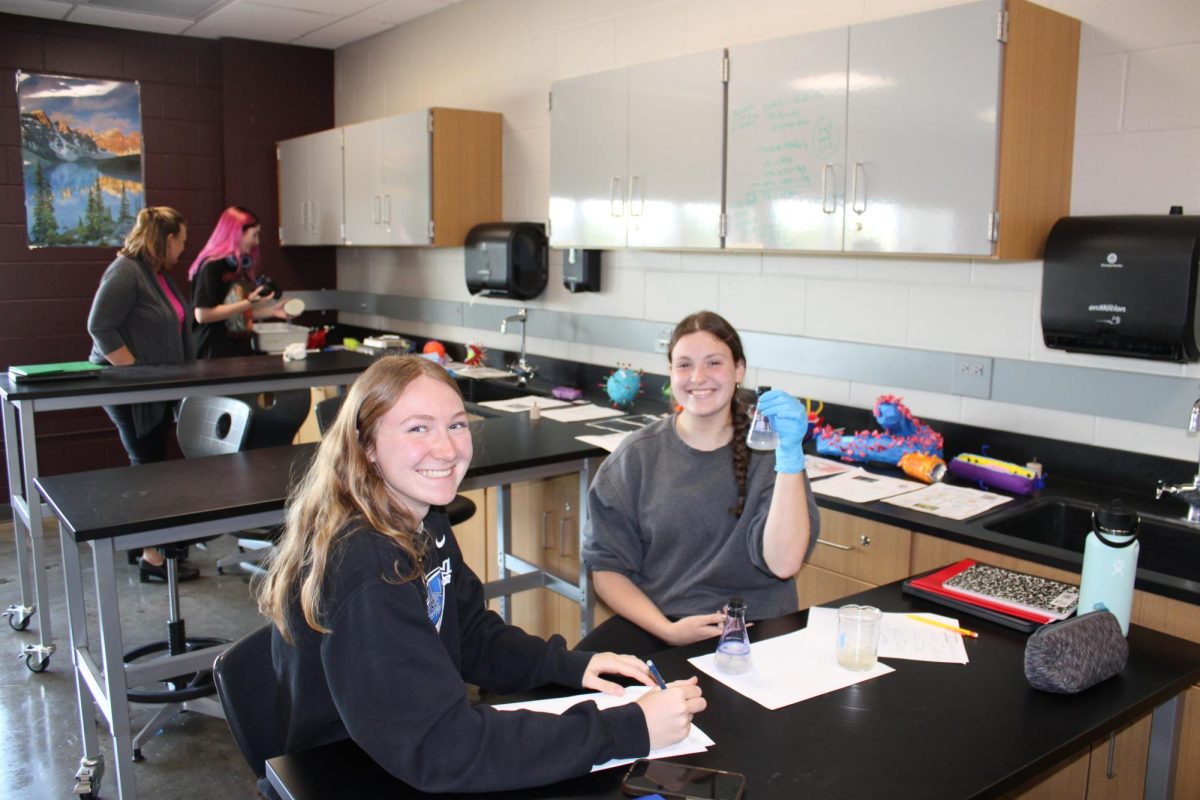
{"x":211,"y":112}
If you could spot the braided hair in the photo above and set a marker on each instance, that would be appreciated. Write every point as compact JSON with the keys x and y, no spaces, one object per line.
{"x":713,"y":323}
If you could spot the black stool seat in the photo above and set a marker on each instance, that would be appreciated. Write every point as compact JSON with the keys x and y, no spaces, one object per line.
{"x":460,"y":509}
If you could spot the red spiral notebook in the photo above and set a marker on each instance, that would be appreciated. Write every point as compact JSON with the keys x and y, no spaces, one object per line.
{"x":932,"y":586}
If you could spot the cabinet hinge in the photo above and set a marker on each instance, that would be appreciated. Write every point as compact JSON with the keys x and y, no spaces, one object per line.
{"x":1002,"y":27}
{"x":431,"y":230}
{"x":429,"y":122}
{"x":281,"y":234}
{"x":722,"y":226}
{"x":278,"y":153}
{"x":549,"y":101}
{"x":725,"y":69}
{"x":342,"y":231}
{"x":549,"y":227}
{"x":994,"y":226}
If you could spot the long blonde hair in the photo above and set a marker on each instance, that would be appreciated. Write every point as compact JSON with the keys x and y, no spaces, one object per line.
{"x":147,"y":240}
{"x":343,"y":485}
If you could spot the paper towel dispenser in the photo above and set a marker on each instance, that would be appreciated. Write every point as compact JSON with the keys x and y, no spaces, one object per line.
{"x":507,"y":259}
{"x":1123,"y":286}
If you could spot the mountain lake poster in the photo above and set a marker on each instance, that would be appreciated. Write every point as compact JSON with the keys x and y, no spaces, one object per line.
{"x":81,"y":150}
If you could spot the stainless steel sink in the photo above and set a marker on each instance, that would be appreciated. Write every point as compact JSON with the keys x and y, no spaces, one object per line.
{"x":1167,"y":546}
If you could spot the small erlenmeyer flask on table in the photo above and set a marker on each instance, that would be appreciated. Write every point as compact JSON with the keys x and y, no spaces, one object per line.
{"x":733,"y":650}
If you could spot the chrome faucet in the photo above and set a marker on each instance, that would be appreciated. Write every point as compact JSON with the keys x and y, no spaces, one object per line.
{"x":1187,"y":492}
{"x":521,"y":368}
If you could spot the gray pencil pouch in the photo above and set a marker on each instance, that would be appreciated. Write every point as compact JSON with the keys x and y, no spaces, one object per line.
{"x":1070,"y":656}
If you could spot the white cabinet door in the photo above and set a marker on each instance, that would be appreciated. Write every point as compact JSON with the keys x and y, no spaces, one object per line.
{"x":673,"y":184}
{"x":387,"y":177}
{"x":786,"y":143}
{"x":325,"y":170}
{"x":293,"y":191}
{"x":588,"y":134}
{"x":922,"y":131}
{"x":405,"y":172}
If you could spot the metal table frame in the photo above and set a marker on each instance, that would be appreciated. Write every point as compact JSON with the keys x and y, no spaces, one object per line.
{"x":102,"y":680}
{"x":20,"y":450}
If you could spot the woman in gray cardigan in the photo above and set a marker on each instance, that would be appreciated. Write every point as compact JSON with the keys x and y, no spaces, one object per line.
{"x":139,"y":316}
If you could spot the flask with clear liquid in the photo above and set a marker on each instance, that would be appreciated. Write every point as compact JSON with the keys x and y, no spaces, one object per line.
{"x":733,"y":650}
{"x":761,"y":435}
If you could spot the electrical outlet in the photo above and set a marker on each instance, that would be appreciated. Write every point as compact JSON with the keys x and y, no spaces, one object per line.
{"x":973,"y":376}
{"x":662,"y":339}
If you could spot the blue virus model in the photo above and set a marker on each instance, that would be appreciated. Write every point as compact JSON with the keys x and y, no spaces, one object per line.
{"x":623,"y":386}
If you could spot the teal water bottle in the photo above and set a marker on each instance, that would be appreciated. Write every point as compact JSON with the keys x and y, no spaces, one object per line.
{"x":1110,"y":558}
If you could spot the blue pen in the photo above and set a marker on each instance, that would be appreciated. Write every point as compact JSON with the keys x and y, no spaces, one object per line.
{"x":654,"y":672}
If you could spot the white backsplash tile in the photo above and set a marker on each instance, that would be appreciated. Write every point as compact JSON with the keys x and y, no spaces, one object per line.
{"x":1156,"y":440}
{"x":813,"y":266}
{"x":723,"y":263}
{"x":856,"y":311}
{"x":671,"y":296}
{"x":819,"y":390}
{"x":650,"y":34}
{"x":582,"y":51}
{"x":991,"y":322}
{"x":1007,"y":274}
{"x":1101,"y":93}
{"x":1136,"y":173}
{"x":1162,"y":91}
{"x":763,"y":303}
{"x":710,"y":25}
{"x":947,"y":272}
{"x":1061,"y":425}
{"x":947,"y":408}
{"x":1111,"y":26}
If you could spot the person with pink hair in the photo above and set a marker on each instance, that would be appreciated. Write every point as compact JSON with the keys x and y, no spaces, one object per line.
{"x":225,"y":299}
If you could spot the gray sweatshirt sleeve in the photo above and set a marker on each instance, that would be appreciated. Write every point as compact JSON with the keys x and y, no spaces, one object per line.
{"x":111,"y":306}
{"x":613,"y":542}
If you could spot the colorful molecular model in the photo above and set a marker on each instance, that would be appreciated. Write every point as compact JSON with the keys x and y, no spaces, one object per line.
{"x":902,"y":433}
{"x":475,"y":354}
{"x":623,"y":385}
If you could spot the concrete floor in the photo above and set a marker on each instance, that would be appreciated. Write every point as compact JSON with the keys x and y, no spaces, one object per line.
{"x":193,"y":757}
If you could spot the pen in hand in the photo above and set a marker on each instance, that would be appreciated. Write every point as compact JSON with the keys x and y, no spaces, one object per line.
{"x":655,"y":674}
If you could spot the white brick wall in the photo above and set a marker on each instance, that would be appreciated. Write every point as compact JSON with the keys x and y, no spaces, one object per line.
{"x":1137,"y":150}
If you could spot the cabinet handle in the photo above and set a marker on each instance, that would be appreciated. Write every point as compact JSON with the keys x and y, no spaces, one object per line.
{"x":834,"y":545}
{"x":614,"y":202}
{"x":856,"y":206}
{"x":635,"y":193}
{"x":304,"y":215}
{"x":387,"y":209}
{"x":1112,"y":749}
{"x":312,"y":217}
{"x":827,"y":206}
{"x":545,"y":516}
{"x":864,"y":540}
{"x":376,"y":212}
{"x":562,"y":536}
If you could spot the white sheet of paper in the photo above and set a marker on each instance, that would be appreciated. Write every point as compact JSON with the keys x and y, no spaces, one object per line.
{"x":788,"y":669}
{"x":952,"y":502}
{"x":477,"y":372}
{"x":817,"y":467}
{"x":581,"y":413}
{"x":608,"y":441}
{"x":900,"y":637}
{"x":697,"y":741}
{"x":860,"y":486}
{"x":520,"y":404}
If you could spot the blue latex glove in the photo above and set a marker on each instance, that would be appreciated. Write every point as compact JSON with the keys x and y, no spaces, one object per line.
{"x":790,"y":420}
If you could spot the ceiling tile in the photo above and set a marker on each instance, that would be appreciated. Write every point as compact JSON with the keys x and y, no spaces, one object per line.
{"x":187,"y":9}
{"x":398,"y":11}
{"x":346,"y":31}
{"x":260,"y":22}
{"x":95,"y":15}
{"x":343,"y":8}
{"x":35,"y":8}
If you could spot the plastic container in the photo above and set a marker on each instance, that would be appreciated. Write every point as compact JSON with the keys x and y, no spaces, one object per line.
{"x":733,"y":651}
{"x":761,"y":436}
{"x":274,"y":337}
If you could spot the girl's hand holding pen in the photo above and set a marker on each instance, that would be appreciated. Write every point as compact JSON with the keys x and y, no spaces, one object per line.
{"x":669,"y":712}
{"x":789,"y":418}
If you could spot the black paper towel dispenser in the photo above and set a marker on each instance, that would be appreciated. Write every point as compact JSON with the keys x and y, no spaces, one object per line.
{"x":1123,"y":286}
{"x":507,"y":259}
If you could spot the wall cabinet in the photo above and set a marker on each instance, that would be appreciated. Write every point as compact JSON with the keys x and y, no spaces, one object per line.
{"x":310,"y":188}
{"x":918,"y":134}
{"x":636,"y":155}
{"x":852,"y":554}
{"x":423,"y":178}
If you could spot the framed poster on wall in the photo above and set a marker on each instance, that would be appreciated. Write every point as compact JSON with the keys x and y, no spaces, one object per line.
{"x":81,"y":154}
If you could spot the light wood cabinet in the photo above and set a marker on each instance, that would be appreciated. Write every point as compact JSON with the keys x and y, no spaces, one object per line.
{"x":852,"y":554}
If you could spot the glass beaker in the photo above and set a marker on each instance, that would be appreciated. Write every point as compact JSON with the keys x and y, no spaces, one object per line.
{"x":733,"y":650}
{"x":761,"y":435}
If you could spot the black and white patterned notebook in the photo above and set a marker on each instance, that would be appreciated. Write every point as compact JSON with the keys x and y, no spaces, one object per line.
{"x":1029,"y":592}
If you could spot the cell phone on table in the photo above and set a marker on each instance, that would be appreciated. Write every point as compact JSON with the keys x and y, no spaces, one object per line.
{"x":682,"y":781}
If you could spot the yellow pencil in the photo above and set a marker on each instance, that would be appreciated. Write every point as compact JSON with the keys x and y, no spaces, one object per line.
{"x":944,"y":626}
